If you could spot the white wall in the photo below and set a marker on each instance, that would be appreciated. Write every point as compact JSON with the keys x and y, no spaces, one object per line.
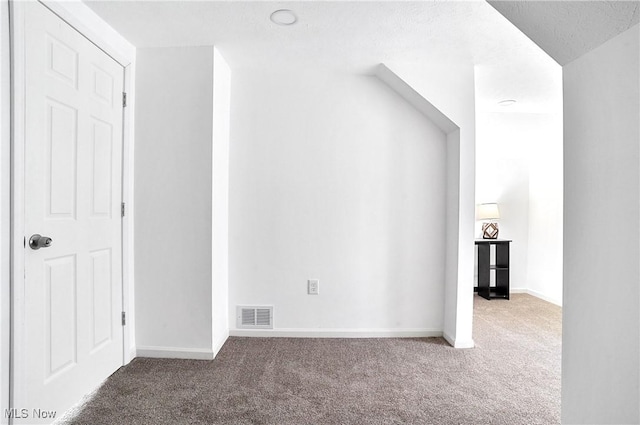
{"x":502,"y":176}
{"x":450,"y":88}
{"x":220,"y":199}
{"x":174,"y":126}
{"x":519,"y":165}
{"x":545,"y":256}
{"x":5,"y":191}
{"x":600,"y":370}
{"x":335,"y":177}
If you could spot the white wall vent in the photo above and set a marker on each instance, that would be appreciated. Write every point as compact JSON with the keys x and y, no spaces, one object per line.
{"x":254,"y":317}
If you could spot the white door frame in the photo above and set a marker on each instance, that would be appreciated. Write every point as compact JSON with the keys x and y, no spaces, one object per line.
{"x":84,"y":20}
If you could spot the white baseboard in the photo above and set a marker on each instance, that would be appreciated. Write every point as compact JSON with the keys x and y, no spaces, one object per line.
{"x":518,"y":291}
{"x":537,"y":295}
{"x":544,"y":297}
{"x":133,"y":353}
{"x":336,"y":333}
{"x":175,"y":353}
{"x":458,"y":343}
{"x":220,"y":342}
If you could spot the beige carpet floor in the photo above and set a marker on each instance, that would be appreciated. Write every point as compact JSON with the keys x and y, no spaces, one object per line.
{"x":511,"y":377}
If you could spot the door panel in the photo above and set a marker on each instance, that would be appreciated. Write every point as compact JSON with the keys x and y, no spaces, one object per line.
{"x":101,"y":285}
{"x":60,"y":159}
{"x":60,"y":298}
{"x":62,"y":61}
{"x":102,"y":135}
{"x":72,"y":333}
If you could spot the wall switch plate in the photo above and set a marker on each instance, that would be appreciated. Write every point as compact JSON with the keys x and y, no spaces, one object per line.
{"x":313,"y":286}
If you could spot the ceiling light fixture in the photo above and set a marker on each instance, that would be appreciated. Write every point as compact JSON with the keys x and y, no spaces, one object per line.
{"x":507,"y":102}
{"x":283,"y":17}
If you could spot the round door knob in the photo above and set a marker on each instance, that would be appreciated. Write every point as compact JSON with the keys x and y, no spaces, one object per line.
{"x":37,"y":241}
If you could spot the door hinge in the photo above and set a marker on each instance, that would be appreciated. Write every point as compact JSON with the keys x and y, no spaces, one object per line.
{"x":122,"y":209}
{"x":124,"y":318}
{"x":124,"y":99}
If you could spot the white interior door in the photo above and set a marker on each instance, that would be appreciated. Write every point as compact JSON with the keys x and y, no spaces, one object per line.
{"x":72,"y":331}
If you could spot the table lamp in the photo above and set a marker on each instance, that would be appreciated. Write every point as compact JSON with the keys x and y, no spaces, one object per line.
{"x":489,"y":212}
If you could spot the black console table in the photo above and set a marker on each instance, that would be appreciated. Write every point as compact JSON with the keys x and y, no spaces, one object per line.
{"x":501,"y":268}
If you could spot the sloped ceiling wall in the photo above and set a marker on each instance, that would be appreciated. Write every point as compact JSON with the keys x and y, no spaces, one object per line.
{"x":568,"y":29}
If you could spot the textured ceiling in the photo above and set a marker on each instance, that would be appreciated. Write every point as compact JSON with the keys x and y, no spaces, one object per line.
{"x":345,"y":33}
{"x":351,"y":36}
{"x":568,"y":29}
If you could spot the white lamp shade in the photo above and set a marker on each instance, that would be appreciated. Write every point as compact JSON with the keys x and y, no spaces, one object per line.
{"x":488,"y":212}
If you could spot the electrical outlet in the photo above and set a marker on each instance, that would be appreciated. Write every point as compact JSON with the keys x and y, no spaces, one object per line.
{"x":313,"y":287}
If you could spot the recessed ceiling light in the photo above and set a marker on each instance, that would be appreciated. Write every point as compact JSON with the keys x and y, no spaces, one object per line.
{"x":507,"y":102}
{"x":283,"y":17}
